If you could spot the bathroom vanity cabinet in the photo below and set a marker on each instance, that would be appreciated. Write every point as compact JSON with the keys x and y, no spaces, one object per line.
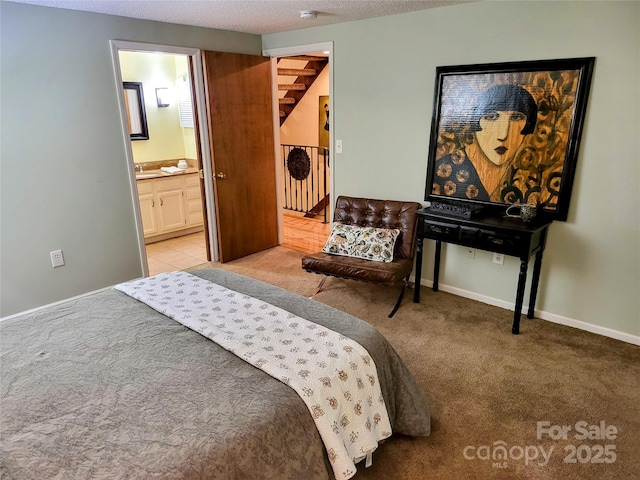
{"x":194,"y":199}
{"x":170,"y":206}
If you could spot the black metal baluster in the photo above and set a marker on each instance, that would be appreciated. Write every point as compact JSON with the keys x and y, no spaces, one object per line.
{"x":303,"y":195}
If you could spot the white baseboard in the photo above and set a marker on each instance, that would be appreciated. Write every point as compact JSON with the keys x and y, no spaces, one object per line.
{"x":550,"y":317}
{"x":60,"y":302}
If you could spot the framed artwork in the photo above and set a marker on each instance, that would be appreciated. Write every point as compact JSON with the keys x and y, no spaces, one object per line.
{"x":508,"y":133}
{"x":323,"y":121}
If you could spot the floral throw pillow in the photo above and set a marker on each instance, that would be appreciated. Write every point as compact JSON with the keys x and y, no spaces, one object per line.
{"x":370,"y":243}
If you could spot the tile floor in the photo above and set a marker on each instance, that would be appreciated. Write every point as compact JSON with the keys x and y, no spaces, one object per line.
{"x":176,"y":253}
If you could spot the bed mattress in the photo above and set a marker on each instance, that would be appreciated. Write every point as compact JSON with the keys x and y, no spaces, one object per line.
{"x":106,"y":387}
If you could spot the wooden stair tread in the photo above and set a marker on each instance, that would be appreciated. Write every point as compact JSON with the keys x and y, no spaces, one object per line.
{"x":291,"y":86}
{"x":304,"y":79}
{"x":297,"y":72}
{"x":308,"y":58}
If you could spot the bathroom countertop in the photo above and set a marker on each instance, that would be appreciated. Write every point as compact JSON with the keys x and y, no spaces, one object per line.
{"x":157,"y":173}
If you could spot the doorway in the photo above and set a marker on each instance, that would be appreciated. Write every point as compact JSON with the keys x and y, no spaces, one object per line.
{"x":306,"y":130}
{"x":176,"y":140}
{"x":169,"y":143}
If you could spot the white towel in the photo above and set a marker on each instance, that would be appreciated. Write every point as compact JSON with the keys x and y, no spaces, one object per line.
{"x":172,"y":169}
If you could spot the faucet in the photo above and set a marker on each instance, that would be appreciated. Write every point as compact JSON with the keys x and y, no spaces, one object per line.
{"x":139,"y":166}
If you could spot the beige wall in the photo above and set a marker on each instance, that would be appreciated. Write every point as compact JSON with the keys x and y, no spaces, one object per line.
{"x":301,"y":127}
{"x":167,"y":139}
{"x":383,"y":102}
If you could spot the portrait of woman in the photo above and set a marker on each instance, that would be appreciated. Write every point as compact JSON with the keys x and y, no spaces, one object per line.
{"x":499,"y":121}
{"x":508,"y":133}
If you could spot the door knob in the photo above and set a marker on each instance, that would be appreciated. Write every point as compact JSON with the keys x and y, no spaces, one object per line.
{"x":221,"y":176}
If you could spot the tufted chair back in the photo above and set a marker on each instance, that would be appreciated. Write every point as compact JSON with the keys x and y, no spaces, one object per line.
{"x":366,"y":212}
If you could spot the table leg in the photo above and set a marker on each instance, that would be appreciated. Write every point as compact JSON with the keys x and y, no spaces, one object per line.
{"x":535,"y":280}
{"x":418,"y":276}
{"x":522,"y":280}
{"x":436,"y":265}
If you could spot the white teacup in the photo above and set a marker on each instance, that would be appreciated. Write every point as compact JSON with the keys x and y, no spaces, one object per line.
{"x":527,"y":211}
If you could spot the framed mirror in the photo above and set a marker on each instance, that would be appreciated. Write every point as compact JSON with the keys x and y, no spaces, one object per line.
{"x":136,"y":115}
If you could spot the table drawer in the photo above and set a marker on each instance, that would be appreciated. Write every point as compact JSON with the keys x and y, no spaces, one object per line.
{"x":509,"y":244}
{"x":441,"y":230}
{"x":469,"y":234}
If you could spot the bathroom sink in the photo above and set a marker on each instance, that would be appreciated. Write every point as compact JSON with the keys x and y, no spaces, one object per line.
{"x":146,"y":175}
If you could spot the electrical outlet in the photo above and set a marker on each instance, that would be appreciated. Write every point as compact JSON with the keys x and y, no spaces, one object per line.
{"x":470,"y":252}
{"x":498,"y":258}
{"x":57,"y":260}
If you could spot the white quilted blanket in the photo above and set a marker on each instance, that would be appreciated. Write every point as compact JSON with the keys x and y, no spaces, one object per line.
{"x":334,"y":375}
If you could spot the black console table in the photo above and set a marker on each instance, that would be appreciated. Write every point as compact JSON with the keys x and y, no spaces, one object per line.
{"x":494,"y":233}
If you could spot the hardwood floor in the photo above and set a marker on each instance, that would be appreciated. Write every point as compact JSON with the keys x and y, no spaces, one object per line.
{"x":304,"y":234}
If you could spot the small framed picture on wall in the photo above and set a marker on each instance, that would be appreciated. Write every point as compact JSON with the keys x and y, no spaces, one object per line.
{"x":323,"y":121}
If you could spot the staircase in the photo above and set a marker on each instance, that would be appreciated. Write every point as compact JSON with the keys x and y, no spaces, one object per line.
{"x":297,"y":73}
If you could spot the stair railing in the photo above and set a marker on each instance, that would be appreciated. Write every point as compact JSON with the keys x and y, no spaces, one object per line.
{"x":306,"y":179}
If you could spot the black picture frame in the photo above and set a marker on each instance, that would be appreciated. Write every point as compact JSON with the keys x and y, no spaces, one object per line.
{"x":477,"y":107}
{"x":136,"y":113}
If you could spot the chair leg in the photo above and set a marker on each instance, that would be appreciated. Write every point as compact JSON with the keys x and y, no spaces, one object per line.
{"x":405,"y":283}
{"x":324,"y":279}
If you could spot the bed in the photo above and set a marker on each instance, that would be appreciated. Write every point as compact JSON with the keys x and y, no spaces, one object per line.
{"x":106,"y":387}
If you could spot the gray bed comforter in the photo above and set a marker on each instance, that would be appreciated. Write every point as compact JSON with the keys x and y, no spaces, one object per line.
{"x":106,"y":387}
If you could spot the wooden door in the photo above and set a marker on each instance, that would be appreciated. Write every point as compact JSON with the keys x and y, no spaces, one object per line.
{"x":238,"y":91}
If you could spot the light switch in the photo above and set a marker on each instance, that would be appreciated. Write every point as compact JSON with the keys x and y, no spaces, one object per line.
{"x":338,"y":146}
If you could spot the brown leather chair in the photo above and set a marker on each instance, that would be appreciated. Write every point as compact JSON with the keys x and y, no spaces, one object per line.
{"x":367,"y":212}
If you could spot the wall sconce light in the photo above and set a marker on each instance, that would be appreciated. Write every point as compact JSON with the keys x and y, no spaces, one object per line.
{"x":162,"y":96}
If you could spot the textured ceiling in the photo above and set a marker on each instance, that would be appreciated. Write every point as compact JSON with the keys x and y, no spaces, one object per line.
{"x":249,"y":16}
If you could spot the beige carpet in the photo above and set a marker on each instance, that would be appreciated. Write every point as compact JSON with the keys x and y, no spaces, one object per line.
{"x":488,"y":388}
